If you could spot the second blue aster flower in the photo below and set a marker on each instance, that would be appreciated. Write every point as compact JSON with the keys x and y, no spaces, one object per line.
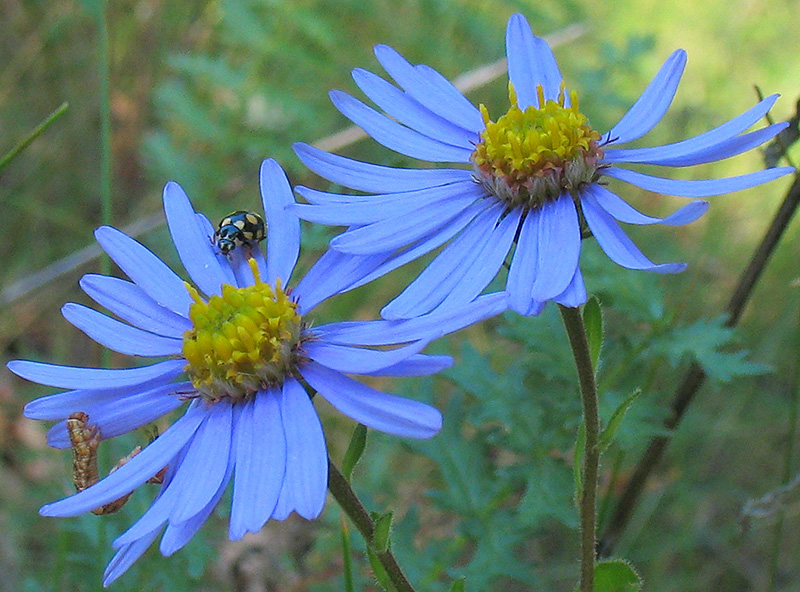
{"x":533,"y":184}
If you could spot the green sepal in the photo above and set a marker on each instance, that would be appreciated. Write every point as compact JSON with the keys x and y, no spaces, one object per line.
{"x":616,"y":575}
{"x":459,"y":585}
{"x":608,"y":433}
{"x":383,"y":531}
{"x":577,"y":462}
{"x":379,"y":572}
{"x":593,"y":322}
{"x":355,"y":449}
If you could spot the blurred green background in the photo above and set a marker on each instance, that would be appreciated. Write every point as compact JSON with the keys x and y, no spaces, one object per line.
{"x":201,"y":92}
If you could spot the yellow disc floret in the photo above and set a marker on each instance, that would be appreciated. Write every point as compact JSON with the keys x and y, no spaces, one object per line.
{"x":243,"y":341}
{"x":528,"y":157}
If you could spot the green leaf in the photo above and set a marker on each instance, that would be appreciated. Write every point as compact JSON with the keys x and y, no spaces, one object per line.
{"x":577,"y":461}
{"x":379,"y":572}
{"x":548,"y":494}
{"x":355,"y":449}
{"x":608,"y":433}
{"x":616,"y":575}
{"x":347,"y":556}
{"x":459,"y":585}
{"x":593,"y":322}
{"x":383,"y":532}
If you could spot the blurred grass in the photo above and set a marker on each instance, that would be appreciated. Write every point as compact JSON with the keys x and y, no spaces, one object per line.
{"x":201,"y":92}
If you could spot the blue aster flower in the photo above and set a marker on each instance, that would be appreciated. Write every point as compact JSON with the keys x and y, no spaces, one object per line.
{"x":237,"y":343}
{"x":534,"y":180}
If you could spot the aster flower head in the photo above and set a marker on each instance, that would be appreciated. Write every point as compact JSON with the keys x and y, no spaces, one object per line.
{"x":237,"y":342}
{"x":533,"y":183}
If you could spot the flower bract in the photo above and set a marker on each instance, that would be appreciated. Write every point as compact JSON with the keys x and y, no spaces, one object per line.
{"x":236,"y":341}
{"x":530,"y":185}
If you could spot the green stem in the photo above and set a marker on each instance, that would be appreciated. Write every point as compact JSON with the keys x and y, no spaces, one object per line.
{"x":573,"y":322}
{"x":352,"y":506}
{"x":34,"y":134}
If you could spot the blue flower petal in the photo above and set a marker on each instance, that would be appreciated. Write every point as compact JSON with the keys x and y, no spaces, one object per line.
{"x":372,"y":177}
{"x":430,"y":89}
{"x":177,"y":535}
{"x":559,"y":248}
{"x":119,"y":336}
{"x":127,"y":556}
{"x":133,"y":473}
{"x":346,"y":210}
{"x":395,"y":136}
{"x":488,"y":263}
{"x":441,"y":322}
{"x":427,"y":244}
{"x":522,"y":272}
{"x":305,"y":484}
{"x":390,"y":234}
{"x":440,"y":277}
{"x":129,"y":302}
{"x":375,"y":409}
{"x":354,"y":360}
{"x":711,"y":138}
{"x":203,"y":469}
{"x":650,"y":107}
{"x":120,"y":415}
{"x":575,"y":295}
{"x":416,"y":365}
{"x":157,"y":514}
{"x":332,"y":274}
{"x":616,"y":243}
{"x":702,"y":188}
{"x":146,"y":270}
{"x":283,"y":227}
{"x":71,"y":377}
{"x":622,"y":211}
{"x":530,"y":63}
{"x":195,"y":248}
{"x":680,"y":156}
{"x":411,"y":113}
{"x":260,"y":449}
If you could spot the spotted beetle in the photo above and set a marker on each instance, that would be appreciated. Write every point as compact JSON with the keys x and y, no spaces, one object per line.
{"x":238,"y":229}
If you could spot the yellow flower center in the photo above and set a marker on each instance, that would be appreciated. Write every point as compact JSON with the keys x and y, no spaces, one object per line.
{"x":243,"y":341}
{"x":528,"y":157}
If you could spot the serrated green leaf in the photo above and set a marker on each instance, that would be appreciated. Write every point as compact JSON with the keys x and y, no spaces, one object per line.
{"x":577,"y":461}
{"x":548,"y":494}
{"x":593,"y":322}
{"x":459,"y":585}
{"x":355,"y":449}
{"x":383,"y":532}
{"x":608,"y":433}
{"x":616,"y":575}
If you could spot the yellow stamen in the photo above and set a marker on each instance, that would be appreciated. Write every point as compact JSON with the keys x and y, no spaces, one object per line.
{"x":242,"y":341}
{"x":528,"y":157}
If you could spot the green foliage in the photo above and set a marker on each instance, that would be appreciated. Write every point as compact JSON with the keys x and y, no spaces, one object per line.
{"x":616,"y":575}
{"x":593,"y":320}
{"x":358,"y":441}
{"x":709,"y":344}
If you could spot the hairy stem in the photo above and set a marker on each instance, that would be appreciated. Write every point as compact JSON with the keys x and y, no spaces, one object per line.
{"x":352,"y":506}
{"x":695,"y":376}
{"x":573,"y":321}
